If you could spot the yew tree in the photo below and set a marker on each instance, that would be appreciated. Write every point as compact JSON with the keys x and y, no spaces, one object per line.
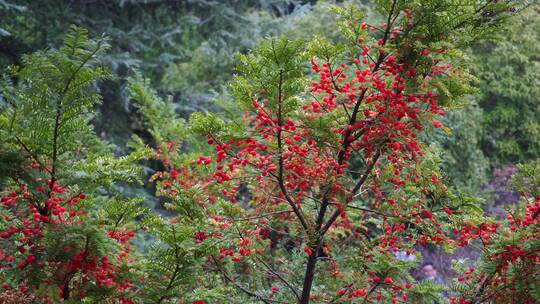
{"x":316,"y":184}
{"x":327,"y":176}
{"x":507,"y":271}
{"x":65,"y":222}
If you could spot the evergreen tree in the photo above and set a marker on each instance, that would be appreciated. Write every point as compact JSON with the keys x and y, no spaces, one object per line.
{"x":313,"y":195}
{"x":337,"y":173}
{"x":64,"y":222}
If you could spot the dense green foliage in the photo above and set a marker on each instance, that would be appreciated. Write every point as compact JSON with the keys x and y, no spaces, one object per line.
{"x":69,"y":199}
{"x":64,"y":168}
{"x":509,"y":73}
{"x":165,"y":39}
{"x":111,"y":194}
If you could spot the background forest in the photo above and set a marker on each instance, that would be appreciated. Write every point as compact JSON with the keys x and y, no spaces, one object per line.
{"x":169,"y":59}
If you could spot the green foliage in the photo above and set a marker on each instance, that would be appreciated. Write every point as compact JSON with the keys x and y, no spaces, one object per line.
{"x":274,"y":68}
{"x":203,"y":124}
{"x":185,"y":49}
{"x":159,"y":116}
{"x":462,"y":159}
{"x":7,"y":6}
{"x":272,"y":76}
{"x":509,"y":70}
{"x":54,"y":156}
{"x":527,"y":180}
{"x":173,"y":255}
{"x":59,"y":84}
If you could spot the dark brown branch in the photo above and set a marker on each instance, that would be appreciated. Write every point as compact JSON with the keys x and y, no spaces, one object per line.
{"x":353,"y":117}
{"x":175,"y":271}
{"x":310,"y":272}
{"x":34,"y":156}
{"x":477,"y":11}
{"x":66,"y":291}
{"x":171,"y":281}
{"x":359,"y":184}
{"x":280,"y":152}
{"x":58,"y":116}
{"x":371,"y":290}
{"x":364,"y":176}
{"x":337,"y":297}
{"x":320,"y":230}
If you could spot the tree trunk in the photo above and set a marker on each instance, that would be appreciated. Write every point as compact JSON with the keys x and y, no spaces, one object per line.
{"x":310,"y":273}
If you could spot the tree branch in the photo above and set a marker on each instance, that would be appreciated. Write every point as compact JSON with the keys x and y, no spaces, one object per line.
{"x":320,"y":230}
{"x":58,"y":116}
{"x":280,"y":152}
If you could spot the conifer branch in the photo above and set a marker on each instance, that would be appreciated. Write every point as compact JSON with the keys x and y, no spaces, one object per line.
{"x":59,"y":112}
{"x":281,"y":183}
